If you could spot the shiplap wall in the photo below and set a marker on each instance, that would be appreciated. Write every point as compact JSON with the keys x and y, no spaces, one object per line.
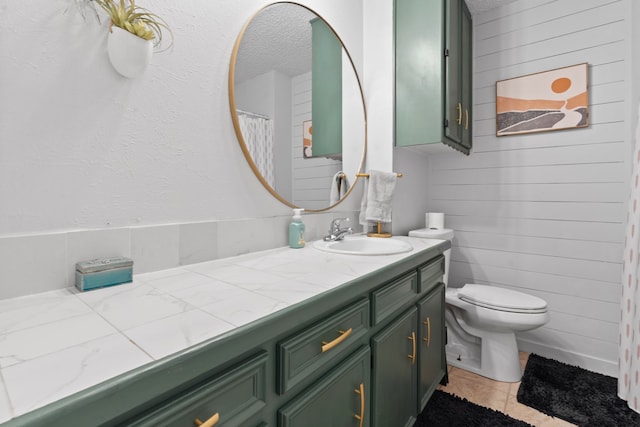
{"x":544,"y":213}
{"x":311,"y":177}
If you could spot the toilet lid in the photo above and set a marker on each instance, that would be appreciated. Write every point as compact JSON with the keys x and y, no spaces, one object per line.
{"x":501,"y":299}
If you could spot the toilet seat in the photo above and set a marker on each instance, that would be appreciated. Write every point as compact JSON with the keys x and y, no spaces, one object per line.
{"x":501,"y":299}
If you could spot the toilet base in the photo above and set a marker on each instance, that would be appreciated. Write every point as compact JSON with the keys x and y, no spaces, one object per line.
{"x":490,"y":354}
{"x":495,"y":356}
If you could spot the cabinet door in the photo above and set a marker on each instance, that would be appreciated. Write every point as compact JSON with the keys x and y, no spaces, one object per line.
{"x":419,"y":45}
{"x":454,"y":110}
{"x":326,"y":82}
{"x":432,"y":365}
{"x":467,"y":75}
{"x":395,"y":372}
{"x":340,"y":399}
{"x":458,"y":75}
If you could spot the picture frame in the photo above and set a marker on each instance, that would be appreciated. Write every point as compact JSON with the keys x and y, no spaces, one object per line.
{"x":307,"y":140}
{"x":546,"y":101}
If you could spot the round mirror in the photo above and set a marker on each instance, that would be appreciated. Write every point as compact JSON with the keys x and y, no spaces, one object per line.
{"x":297,"y":106}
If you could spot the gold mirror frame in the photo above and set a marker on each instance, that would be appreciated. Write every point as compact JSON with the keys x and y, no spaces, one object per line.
{"x":236,"y":123}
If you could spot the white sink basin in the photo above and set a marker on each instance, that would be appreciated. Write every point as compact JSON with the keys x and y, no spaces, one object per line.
{"x":363,"y":245}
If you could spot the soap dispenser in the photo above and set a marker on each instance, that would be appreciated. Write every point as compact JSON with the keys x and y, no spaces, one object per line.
{"x":296,"y":230}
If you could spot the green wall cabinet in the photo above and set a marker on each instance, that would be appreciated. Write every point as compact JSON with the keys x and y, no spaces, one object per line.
{"x":433,"y":60}
{"x":326,"y":89}
{"x":353,"y":356}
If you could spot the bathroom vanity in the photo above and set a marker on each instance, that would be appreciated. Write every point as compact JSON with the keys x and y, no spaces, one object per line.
{"x":367,"y":350}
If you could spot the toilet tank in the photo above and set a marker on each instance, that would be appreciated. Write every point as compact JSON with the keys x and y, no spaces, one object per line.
{"x":441,"y":234}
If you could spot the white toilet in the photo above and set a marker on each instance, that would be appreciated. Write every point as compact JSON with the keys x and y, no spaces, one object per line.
{"x":482,"y":321}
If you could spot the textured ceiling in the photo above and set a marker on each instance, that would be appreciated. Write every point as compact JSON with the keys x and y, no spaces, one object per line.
{"x":279,"y":38}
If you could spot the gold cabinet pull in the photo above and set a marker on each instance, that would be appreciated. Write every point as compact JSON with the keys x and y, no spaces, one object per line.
{"x":459,"y":110}
{"x":413,"y":343}
{"x":361,"y":416}
{"x":428,"y":338}
{"x":466,"y":120}
{"x":326,"y":346}
{"x":210,"y":422}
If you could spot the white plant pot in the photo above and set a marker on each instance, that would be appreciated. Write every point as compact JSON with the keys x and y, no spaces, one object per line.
{"x":129,"y":54}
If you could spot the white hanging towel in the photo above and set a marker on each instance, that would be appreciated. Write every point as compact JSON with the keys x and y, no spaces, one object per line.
{"x":377,"y":197}
{"x":339,"y":187}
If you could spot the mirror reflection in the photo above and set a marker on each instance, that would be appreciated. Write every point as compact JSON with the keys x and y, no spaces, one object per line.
{"x":297,"y":106}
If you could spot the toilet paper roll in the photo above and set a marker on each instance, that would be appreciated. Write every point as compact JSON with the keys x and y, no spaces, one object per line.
{"x":435,"y":220}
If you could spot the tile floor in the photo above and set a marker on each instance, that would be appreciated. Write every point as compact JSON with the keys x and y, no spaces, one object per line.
{"x":497,"y":395}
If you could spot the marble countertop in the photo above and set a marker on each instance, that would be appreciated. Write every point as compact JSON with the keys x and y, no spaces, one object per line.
{"x":57,"y":343}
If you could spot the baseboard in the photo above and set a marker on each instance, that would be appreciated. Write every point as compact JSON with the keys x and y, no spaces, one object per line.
{"x":590,"y":363}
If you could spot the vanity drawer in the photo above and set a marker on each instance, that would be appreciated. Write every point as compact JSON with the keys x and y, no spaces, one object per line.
{"x":237,"y":396}
{"x":314,"y":349}
{"x":431,"y":274}
{"x":393,"y":297}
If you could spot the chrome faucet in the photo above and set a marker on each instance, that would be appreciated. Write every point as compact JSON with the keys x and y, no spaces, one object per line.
{"x":336,"y":232}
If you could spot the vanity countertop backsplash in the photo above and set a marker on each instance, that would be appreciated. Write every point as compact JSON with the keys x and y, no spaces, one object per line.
{"x":57,"y":343}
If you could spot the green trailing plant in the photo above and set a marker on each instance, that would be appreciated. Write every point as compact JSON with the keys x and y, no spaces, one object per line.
{"x":135,"y":19}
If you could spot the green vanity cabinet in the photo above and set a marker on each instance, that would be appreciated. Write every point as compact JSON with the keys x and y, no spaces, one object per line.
{"x":433,"y":92}
{"x":340,"y":399}
{"x":234,"y":398}
{"x":408,"y":353}
{"x":431,"y":340}
{"x":313,"y":350}
{"x":394,"y":297}
{"x":352,"y":356}
{"x":395,"y":372}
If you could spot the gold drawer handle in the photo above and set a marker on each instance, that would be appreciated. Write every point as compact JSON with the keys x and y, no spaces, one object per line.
{"x":466,"y":121}
{"x":210,"y":422}
{"x":459,"y":110}
{"x":413,"y":343}
{"x":361,"y":416}
{"x":343,"y":336}
{"x":428,"y":338}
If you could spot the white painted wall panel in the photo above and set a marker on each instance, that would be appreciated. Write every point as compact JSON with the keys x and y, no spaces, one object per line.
{"x":543,"y":213}
{"x":587,"y":250}
{"x":602,"y":53}
{"x":608,"y":32}
{"x":536,"y":13}
{"x":535,"y":281}
{"x":311,"y":177}
{"x":585,"y":173}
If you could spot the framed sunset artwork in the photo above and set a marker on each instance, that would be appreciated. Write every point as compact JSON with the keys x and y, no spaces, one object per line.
{"x":307,"y":141}
{"x":551,"y":100}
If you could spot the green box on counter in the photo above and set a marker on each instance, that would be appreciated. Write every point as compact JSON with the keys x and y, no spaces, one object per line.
{"x":100,"y":273}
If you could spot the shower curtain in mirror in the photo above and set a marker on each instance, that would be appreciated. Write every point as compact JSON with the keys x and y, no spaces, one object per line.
{"x":258,"y":137}
{"x":629,"y":350}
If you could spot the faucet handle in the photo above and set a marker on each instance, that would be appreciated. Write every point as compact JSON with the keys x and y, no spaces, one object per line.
{"x":335,"y":223}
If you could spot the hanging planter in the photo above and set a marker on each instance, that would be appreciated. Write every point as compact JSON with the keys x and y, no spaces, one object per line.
{"x":128,"y":53}
{"x":133,"y":33}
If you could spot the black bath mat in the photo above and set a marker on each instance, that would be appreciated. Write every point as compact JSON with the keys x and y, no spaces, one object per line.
{"x":574,"y":394}
{"x":447,"y":410}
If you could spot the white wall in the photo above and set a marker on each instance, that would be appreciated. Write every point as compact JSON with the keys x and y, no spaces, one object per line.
{"x":83,"y":149}
{"x":270,"y":95}
{"x":543,"y":213}
{"x":311,"y":176}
